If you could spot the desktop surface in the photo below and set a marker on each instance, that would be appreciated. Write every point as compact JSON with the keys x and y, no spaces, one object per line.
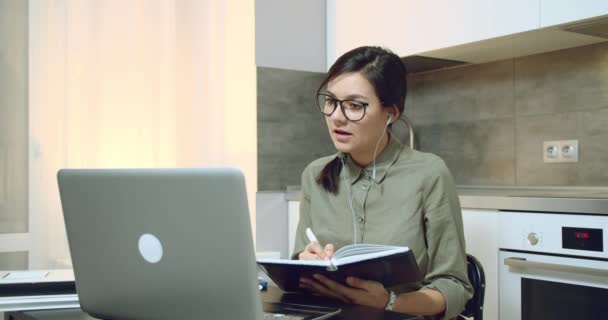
{"x":273,"y":294}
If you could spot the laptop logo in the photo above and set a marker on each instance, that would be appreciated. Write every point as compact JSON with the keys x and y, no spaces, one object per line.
{"x":150,"y":248}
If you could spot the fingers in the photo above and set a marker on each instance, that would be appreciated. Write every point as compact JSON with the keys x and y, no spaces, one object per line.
{"x":329,"y":251}
{"x":319,"y":288}
{"x":315,"y":248}
{"x":364,"y":292}
{"x":364,"y":284}
{"x":358,"y":291}
{"x":376,"y":295}
{"x":313,"y":251}
{"x":337,"y":287}
{"x":307,"y":255}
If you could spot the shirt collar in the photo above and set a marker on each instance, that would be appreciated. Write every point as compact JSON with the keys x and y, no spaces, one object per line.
{"x":384,"y":161}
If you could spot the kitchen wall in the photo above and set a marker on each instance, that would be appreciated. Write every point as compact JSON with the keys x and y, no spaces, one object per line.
{"x":291,"y":130}
{"x":290,"y":55}
{"x":488,"y":121}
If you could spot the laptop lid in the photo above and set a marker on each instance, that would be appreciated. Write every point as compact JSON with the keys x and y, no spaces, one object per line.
{"x":161,"y":243}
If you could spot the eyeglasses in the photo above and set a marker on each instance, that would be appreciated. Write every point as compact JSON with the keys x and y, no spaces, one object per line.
{"x":353,"y":110}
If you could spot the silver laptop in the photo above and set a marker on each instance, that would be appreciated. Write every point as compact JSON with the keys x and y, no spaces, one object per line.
{"x":162,"y":244}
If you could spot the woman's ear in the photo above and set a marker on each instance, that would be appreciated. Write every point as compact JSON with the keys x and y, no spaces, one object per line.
{"x":394,"y":112}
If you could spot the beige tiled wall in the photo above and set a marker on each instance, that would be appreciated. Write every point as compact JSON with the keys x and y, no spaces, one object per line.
{"x":488,"y":121}
{"x":291,"y":130}
{"x":466,"y":116}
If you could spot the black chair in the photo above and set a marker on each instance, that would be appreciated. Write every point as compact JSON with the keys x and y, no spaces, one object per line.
{"x":474,"y":307}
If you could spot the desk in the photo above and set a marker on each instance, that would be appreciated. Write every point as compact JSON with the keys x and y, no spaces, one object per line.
{"x":273,"y":294}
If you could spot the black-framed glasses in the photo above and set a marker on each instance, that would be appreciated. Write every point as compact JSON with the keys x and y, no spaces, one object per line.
{"x":353,"y":110}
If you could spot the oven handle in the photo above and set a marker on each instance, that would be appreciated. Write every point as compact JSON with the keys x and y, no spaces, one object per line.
{"x":523,"y":263}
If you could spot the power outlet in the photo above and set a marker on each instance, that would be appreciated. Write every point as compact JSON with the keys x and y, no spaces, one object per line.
{"x":560,"y":151}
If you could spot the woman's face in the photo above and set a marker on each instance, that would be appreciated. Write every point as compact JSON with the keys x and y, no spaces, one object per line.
{"x":359,"y":138}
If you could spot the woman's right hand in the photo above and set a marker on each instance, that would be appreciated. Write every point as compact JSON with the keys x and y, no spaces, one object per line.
{"x":314,"y":251}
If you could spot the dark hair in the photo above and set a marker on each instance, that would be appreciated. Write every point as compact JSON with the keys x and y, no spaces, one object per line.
{"x":386,"y":73}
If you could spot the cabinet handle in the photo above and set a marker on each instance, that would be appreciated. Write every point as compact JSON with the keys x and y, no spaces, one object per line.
{"x":523,"y":263}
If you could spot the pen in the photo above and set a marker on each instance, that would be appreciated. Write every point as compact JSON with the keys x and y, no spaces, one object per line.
{"x":311,"y":236}
{"x":262,"y":284}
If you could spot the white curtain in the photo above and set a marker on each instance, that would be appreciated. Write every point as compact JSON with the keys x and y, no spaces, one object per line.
{"x":138,"y":83}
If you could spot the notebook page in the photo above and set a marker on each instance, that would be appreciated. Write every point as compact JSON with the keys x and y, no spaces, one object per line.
{"x":356,"y":249}
{"x":367,"y":256}
{"x":322,"y":263}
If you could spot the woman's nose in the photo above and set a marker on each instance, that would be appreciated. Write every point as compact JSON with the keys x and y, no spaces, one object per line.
{"x":338,"y":115}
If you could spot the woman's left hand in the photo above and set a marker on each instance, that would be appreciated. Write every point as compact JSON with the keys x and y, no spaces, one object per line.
{"x":359,"y":291}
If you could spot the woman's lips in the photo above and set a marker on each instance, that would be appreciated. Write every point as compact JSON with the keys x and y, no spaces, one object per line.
{"x":342,"y":136}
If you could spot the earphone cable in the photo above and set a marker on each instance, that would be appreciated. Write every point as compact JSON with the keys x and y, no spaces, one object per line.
{"x":350,"y":202}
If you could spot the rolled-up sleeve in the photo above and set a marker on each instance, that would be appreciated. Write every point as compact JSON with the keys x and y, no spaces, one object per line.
{"x":447,"y":268}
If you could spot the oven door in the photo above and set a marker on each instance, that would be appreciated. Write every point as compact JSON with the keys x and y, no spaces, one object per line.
{"x":539,"y":286}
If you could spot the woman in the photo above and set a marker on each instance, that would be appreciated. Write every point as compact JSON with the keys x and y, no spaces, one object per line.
{"x":375,"y":190}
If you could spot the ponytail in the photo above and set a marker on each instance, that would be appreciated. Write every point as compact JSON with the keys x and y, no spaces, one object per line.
{"x":329,"y":177}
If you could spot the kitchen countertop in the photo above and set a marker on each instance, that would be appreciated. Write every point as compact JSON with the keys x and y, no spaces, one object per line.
{"x":591,"y":200}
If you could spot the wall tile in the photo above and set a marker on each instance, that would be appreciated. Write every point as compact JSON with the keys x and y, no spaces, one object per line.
{"x":593,"y":149}
{"x":477,"y":152}
{"x":468,"y":93}
{"x":489,"y":121}
{"x":561,"y":81}
{"x":486,"y":121}
{"x":589,"y":127}
{"x":531,"y":132}
{"x":291,"y":132}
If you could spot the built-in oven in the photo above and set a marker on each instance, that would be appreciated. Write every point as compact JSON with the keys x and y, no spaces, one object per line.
{"x":553,"y":266}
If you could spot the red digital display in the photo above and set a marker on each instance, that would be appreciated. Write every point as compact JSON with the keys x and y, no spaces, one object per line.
{"x":589,"y":239}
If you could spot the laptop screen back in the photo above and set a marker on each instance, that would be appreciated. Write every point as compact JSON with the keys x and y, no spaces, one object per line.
{"x":161,"y":243}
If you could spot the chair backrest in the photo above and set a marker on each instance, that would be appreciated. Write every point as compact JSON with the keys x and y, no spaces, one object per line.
{"x":474,"y":307}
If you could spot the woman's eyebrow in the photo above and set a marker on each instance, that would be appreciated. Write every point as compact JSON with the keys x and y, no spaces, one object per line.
{"x":355,"y":96}
{"x":349,"y":97}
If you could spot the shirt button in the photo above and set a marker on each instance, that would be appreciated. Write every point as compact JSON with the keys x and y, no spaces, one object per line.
{"x":361,"y":219}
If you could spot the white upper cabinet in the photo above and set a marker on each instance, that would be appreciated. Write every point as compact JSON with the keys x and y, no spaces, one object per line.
{"x":290,"y":34}
{"x":412,"y":26}
{"x":553,"y":12}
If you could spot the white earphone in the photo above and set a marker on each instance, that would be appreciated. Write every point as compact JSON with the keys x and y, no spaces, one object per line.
{"x":350,"y":201}
{"x":388,"y":122}
{"x":390,"y":119}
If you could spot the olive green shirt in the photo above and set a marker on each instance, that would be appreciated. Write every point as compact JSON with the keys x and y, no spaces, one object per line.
{"x":412,"y":202}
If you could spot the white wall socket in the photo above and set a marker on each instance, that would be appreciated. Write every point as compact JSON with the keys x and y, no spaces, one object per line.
{"x":560,"y":151}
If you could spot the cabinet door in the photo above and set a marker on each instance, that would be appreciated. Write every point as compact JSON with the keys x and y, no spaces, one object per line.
{"x":436,"y":24}
{"x":290,"y":34}
{"x":410,"y":26}
{"x":553,"y":12}
{"x":481,"y":236}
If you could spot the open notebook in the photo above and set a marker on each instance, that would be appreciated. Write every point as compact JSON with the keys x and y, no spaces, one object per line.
{"x":390,"y":265}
